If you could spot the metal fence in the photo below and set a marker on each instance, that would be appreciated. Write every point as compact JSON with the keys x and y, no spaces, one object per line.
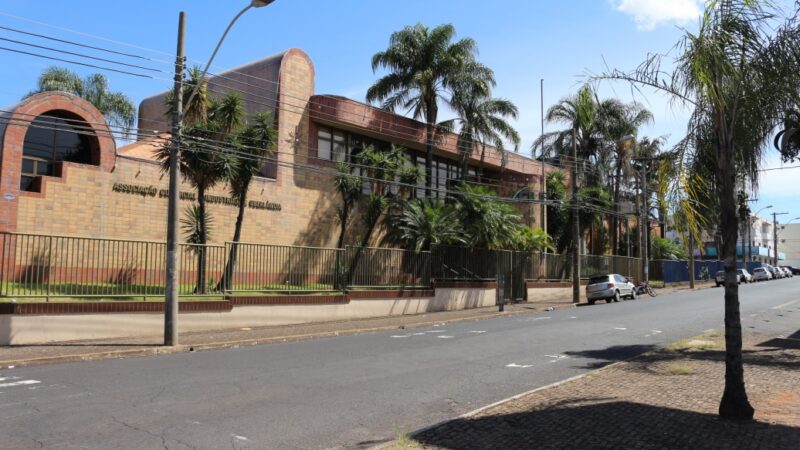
{"x":266,"y":268}
{"x":60,"y":266}
{"x":387,"y":268}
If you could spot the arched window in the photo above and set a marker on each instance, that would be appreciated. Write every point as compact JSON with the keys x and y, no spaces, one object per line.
{"x":53,"y":137}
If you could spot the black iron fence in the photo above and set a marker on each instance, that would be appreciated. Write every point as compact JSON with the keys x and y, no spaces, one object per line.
{"x":59,"y":266}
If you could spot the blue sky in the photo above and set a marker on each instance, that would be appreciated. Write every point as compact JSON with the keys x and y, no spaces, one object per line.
{"x":522,"y":41}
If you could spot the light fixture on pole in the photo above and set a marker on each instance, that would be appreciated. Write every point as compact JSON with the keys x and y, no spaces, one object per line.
{"x":172,"y":269}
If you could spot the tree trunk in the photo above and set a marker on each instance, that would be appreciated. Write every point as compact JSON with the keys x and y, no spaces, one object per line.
{"x":483,"y":157}
{"x":360,"y":249}
{"x":230,"y":268}
{"x":734,"y":403}
{"x":339,"y":281}
{"x":614,"y":218}
{"x":200,"y":287}
{"x":428,"y":159}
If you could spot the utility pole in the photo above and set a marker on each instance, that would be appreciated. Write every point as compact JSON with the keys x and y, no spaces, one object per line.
{"x":775,"y":233}
{"x":645,"y":225}
{"x":172,"y":282}
{"x":542,"y":181}
{"x":576,"y":230}
{"x":691,"y":260}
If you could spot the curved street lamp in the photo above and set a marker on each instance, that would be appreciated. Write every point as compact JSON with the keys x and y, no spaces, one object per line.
{"x":171,"y":276}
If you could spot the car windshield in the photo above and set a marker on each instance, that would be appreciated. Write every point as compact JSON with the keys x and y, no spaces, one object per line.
{"x":595,"y":280}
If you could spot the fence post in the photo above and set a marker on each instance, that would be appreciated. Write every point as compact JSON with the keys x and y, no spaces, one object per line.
{"x":146,"y":267}
{"x":49,"y":265}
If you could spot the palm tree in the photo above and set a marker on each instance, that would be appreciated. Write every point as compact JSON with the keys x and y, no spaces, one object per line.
{"x":483,"y":119}
{"x":116,"y":107}
{"x":426,"y":223}
{"x":739,"y":73}
{"x":258,"y":141}
{"x":487,"y":222}
{"x":424,"y":66}
{"x":206,"y":158}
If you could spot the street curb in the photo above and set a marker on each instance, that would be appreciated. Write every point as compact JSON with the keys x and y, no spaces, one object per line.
{"x":475,"y":412}
{"x":153,"y":350}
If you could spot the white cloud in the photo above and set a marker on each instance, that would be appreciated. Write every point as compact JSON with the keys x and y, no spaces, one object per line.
{"x":650,"y":13}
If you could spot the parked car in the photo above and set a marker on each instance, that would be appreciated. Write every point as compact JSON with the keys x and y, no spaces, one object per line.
{"x":744,"y":276}
{"x":761,"y":274}
{"x":794,"y":270}
{"x":719,"y":278}
{"x":776,"y":274}
{"x":788,"y":271}
{"x":609,"y":288}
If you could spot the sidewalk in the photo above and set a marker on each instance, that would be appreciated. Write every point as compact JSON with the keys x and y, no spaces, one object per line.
{"x":665,"y":399}
{"x":115,"y":348}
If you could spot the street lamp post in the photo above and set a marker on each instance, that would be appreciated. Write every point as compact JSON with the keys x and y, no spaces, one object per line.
{"x":775,"y":233}
{"x":171,"y":284}
{"x":750,"y":233}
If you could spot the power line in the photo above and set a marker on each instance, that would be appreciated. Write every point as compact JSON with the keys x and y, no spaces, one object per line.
{"x":53,"y":58}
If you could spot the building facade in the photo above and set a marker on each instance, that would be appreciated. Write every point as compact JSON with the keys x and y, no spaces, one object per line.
{"x":62,"y":174}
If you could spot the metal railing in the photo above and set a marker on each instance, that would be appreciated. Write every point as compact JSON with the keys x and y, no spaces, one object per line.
{"x":269,"y":268}
{"x":464,"y":263}
{"x":43,"y":266}
{"x":387,"y":268}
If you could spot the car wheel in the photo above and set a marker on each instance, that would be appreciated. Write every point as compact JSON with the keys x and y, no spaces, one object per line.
{"x":616,"y":296}
{"x":591,"y":302}
{"x":633,"y":294}
{"x":718,"y":284}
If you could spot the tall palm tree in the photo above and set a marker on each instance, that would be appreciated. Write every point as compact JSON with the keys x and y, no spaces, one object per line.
{"x":424,"y":66}
{"x":483,"y":120}
{"x":739,"y":73}
{"x":258,"y":141}
{"x":116,"y":107}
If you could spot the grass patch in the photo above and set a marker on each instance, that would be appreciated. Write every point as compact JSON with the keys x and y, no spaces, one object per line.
{"x":677,"y":369}
{"x":403,"y":441}
{"x":693,"y":345}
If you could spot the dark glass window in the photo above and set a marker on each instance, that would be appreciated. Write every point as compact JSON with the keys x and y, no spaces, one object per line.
{"x":337,"y":145}
{"x":53,"y":137}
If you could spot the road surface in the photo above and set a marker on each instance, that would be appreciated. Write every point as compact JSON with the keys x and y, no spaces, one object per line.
{"x":351,"y":391}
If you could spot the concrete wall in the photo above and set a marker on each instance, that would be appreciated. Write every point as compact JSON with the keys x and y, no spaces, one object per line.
{"x":20,"y":329}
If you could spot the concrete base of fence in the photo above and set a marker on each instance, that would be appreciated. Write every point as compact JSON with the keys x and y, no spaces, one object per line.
{"x":543,"y":291}
{"x":25,"y":329}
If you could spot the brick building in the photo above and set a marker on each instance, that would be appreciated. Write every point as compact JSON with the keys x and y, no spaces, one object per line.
{"x":78,"y":183}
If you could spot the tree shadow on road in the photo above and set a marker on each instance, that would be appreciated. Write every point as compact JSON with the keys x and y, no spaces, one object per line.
{"x":599,"y":423}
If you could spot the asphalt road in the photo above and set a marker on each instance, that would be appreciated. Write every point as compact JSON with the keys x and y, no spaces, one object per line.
{"x":351,"y":391}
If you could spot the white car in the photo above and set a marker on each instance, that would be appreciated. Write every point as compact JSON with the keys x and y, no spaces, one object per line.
{"x":609,"y":288}
{"x":761,"y":274}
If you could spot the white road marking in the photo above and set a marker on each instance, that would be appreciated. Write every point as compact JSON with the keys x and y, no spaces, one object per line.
{"x":19,"y":383}
{"x":618,"y":328}
{"x":573,"y":317}
{"x":478,"y":331}
{"x":418,"y":334}
{"x":656,"y":331}
{"x":557,"y":357}
{"x":241,"y":438}
{"x":519,"y":366}
{"x":785,"y":304}
{"x":647,"y":335}
{"x":753,"y":315}
{"x":444,"y":337}
{"x":540,"y":318}
{"x":401,"y":335}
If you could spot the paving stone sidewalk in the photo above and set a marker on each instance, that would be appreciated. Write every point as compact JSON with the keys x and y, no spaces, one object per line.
{"x":666,"y":399}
